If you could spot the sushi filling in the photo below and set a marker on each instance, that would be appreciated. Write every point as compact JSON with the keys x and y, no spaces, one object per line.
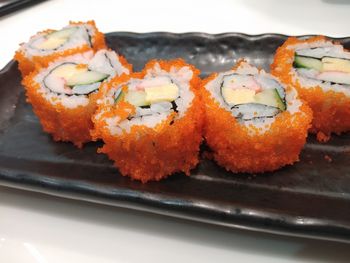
{"x":57,"y":40}
{"x":72,"y":78}
{"x":159,"y":97}
{"x":153,"y":96}
{"x":324,"y":64}
{"x":252,"y":96}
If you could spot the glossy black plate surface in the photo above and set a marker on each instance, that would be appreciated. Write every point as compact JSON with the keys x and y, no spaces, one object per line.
{"x":310,"y":198}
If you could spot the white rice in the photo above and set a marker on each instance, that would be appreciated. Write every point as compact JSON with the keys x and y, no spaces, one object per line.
{"x":292,"y":102}
{"x":311,"y":49}
{"x":77,"y":39}
{"x":96,"y":62}
{"x":159,"y":112}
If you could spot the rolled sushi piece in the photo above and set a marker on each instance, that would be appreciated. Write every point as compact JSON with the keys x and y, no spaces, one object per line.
{"x":253,"y":122}
{"x":320,"y":71}
{"x":51,"y":44}
{"x":151,"y":121}
{"x":63,"y":95}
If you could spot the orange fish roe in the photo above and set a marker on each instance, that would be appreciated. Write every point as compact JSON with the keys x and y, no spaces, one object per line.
{"x":27,"y":64}
{"x":82,"y":66}
{"x":331,"y":109}
{"x":152,"y":153}
{"x":64,"y":124}
{"x":236,"y":149}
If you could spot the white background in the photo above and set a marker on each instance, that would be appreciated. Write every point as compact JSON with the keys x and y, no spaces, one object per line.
{"x":38,"y":228}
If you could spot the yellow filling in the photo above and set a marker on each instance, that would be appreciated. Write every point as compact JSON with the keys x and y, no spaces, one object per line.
{"x":238,"y":96}
{"x":335,"y":64}
{"x":167,"y":92}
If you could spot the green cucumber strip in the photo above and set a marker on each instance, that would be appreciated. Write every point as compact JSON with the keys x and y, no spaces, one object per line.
{"x":85,"y":89}
{"x":137,"y":98}
{"x":270,"y":97}
{"x":119,"y":96}
{"x":307,"y":62}
{"x":87,"y":77}
{"x":280,"y":103}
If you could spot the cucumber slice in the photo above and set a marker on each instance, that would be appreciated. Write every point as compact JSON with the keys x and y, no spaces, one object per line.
{"x":63,"y":33}
{"x":307,"y":62}
{"x":270,"y":97}
{"x":55,"y":39}
{"x":87,"y":77}
{"x":119,"y":95}
{"x":137,"y":98}
{"x":85,"y":89}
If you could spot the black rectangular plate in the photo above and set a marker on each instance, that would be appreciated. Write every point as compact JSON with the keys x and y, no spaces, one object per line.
{"x":10,"y":6}
{"x":310,"y":198}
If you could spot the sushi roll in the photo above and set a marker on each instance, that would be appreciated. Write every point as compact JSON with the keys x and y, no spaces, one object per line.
{"x":151,"y":121}
{"x":63,"y":94}
{"x":253,"y":122}
{"x":50,"y":44}
{"x":320,"y":71}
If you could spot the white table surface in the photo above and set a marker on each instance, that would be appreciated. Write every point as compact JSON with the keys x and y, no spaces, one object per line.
{"x":38,"y":228}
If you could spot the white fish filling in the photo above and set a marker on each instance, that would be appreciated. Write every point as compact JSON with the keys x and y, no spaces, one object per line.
{"x":79,"y":37}
{"x":157,"y":112}
{"x":244,"y":113}
{"x":310,"y":78}
{"x":55,"y":89}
